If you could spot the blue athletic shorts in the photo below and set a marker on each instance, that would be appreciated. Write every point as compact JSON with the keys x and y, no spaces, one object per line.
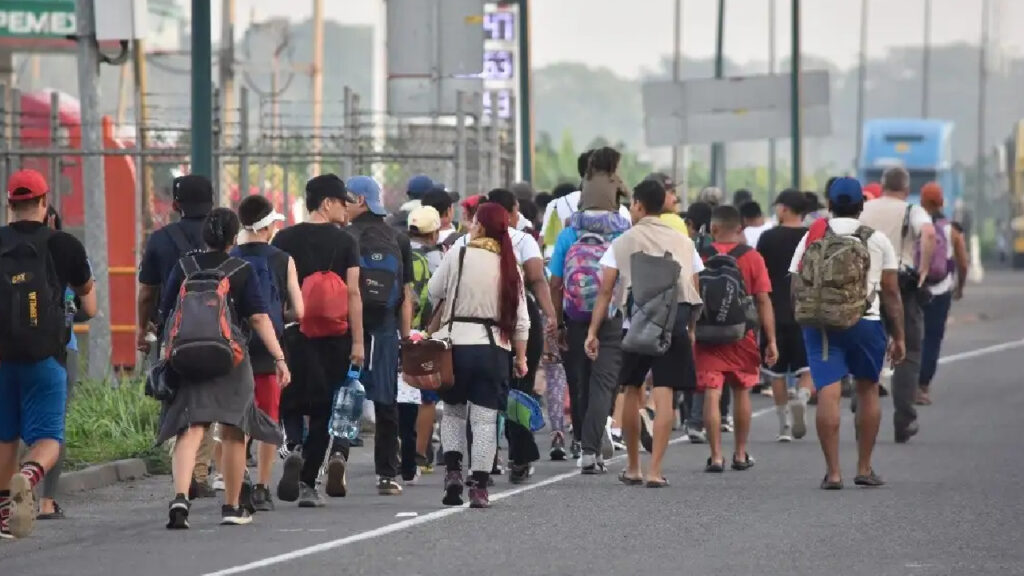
{"x":33,"y":398}
{"x":859,"y":351}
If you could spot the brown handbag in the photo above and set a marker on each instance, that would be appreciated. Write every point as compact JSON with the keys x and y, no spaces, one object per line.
{"x":427,"y":363}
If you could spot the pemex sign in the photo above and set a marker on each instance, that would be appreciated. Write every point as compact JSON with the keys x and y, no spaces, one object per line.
{"x":27,"y":19}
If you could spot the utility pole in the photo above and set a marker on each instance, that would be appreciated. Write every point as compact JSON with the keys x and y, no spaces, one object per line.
{"x":717,"y":149}
{"x":979,"y":193}
{"x":862,"y":74}
{"x":525,"y":98}
{"x":771,"y":70}
{"x":925,"y":64}
{"x":677,"y":57}
{"x":794,"y":86}
{"x":93,"y":183}
{"x":318,"y":81}
{"x":202,"y":90}
{"x":226,"y":80}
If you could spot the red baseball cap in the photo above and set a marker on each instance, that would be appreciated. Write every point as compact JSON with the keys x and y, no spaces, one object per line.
{"x":26,"y":185}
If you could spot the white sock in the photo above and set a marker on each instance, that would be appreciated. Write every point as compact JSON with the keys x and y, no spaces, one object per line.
{"x":803,"y":395}
{"x":783,"y":413}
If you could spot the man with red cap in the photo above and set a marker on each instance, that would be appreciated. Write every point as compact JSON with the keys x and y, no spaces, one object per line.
{"x":37,"y":265}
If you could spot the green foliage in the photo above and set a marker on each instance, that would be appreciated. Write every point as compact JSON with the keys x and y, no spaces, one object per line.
{"x":555,"y":166}
{"x":106,"y":423}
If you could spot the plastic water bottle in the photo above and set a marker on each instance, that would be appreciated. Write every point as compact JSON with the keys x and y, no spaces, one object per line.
{"x":348,"y":406}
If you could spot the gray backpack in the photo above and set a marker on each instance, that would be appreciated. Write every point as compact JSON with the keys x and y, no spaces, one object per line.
{"x":653,"y":304}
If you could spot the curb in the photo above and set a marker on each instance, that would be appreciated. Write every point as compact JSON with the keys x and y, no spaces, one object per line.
{"x":102,"y":475}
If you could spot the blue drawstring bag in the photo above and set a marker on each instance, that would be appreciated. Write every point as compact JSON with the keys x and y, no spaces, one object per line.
{"x":524,"y":410}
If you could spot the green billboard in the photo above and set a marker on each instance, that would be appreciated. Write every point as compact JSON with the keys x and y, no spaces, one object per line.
{"x":37,"y":18}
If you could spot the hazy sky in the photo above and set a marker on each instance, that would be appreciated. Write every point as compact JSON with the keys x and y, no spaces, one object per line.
{"x":630,"y":36}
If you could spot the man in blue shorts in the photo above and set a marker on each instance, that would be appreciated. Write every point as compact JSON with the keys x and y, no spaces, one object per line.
{"x":37,"y":265}
{"x":859,"y":350}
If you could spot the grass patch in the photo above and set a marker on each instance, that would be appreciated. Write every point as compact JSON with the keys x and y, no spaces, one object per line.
{"x":106,"y":423}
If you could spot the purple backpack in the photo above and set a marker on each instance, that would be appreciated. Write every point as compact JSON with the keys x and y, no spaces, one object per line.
{"x":941,"y":264}
{"x":582,"y":276}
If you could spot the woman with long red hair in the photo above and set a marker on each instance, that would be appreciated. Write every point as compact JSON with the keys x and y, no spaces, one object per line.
{"x":484,"y":314}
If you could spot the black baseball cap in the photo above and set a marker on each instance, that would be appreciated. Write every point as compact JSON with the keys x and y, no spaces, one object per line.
{"x":326,"y":186}
{"x":193,"y":194}
{"x":792,"y":199}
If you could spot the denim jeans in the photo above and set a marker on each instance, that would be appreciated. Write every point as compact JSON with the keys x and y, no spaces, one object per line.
{"x":935,"y":314}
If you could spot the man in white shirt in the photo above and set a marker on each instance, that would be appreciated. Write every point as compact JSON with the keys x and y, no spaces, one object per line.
{"x":754,"y":223}
{"x":859,"y":350}
{"x":908,"y":228}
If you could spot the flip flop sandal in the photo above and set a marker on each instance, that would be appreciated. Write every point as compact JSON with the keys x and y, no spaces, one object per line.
{"x":57,"y":514}
{"x":630,"y":481}
{"x":661,"y":483}
{"x":827,"y":484}
{"x":746,"y":464}
{"x":715,"y":467}
{"x":871,"y":480}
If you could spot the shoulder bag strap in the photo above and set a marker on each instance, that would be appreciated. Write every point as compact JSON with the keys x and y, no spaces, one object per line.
{"x":458,"y":284}
{"x":904,"y":230}
{"x":181,"y":242}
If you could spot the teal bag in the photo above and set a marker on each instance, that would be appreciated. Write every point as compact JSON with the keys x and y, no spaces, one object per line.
{"x":524,"y":410}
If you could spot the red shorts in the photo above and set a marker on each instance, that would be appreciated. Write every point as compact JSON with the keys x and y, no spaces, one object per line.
{"x":715,"y":380}
{"x":268,"y":395}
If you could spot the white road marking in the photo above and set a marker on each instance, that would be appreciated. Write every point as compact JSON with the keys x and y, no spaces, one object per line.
{"x":446,"y":512}
{"x":407,"y":515}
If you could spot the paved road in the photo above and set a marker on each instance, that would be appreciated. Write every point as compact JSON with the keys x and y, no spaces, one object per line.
{"x":953,"y":504}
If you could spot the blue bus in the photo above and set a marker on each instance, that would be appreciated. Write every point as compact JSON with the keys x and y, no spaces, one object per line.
{"x":923,"y":147}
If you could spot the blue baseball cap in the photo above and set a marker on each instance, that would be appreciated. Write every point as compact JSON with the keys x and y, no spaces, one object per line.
{"x":367,"y":188}
{"x":845,"y":191}
{"x":418,"y":186}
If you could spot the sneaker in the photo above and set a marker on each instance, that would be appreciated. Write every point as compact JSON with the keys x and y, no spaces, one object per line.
{"x":497,"y":469}
{"x":592,"y":465}
{"x":727,"y":424}
{"x":618,"y":443}
{"x":557,"y":452}
{"x":309,"y":497}
{"x":177,"y":513}
{"x":902,"y":436}
{"x":414,"y":480}
{"x":288,"y":487}
{"x":576,"y":449}
{"x":798,"y":409}
{"x":262,"y":501}
{"x":453,"y":486}
{"x":337,"y":479}
{"x":388,"y":487}
{"x":199,"y":489}
{"x":785,"y":435}
{"x":5,"y":530}
{"x":607,"y":442}
{"x":218,"y":482}
{"x":696,"y":435}
{"x":22,"y":506}
{"x":647,"y":429}
{"x":425,"y":464}
{"x":234,"y":516}
{"x":478,"y":497}
{"x":245,"y":496}
{"x":520,"y":474}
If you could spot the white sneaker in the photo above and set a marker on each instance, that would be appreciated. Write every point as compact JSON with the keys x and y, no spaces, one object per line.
{"x":798,"y":408}
{"x":218,"y":482}
{"x":727,"y":424}
{"x":785,"y":435}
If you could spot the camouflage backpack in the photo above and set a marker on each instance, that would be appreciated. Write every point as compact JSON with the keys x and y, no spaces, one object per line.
{"x":831,"y":289}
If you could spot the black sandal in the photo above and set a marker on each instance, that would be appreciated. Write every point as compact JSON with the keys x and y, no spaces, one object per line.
{"x":827,"y":484}
{"x":630,"y":481}
{"x":661,"y":483}
{"x":871,"y":480}
{"x":746,"y":464}
{"x":57,"y":514}
{"x":715,"y":467}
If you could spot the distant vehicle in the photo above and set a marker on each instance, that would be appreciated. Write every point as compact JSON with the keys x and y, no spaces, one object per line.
{"x":1015,"y":173}
{"x":923,"y":147}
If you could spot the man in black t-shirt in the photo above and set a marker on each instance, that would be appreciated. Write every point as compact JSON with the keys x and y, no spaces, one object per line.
{"x":316,"y":246}
{"x":33,"y":388}
{"x":777,"y":246}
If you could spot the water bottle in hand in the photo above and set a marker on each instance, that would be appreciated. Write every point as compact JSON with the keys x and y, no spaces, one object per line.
{"x":348,"y":406}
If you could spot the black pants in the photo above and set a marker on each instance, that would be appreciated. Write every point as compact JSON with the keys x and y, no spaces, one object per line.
{"x":407,"y":414}
{"x":522,"y":447}
{"x":385,"y":440}
{"x":314,"y":448}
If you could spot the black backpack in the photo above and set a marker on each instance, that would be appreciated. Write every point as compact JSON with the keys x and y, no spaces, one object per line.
{"x":380,"y":267}
{"x":33,"y":322}
{"x":728,"y":310}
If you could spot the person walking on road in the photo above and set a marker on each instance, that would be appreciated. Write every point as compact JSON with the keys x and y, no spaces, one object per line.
{"x":37,"y":266}
{"x":674,"y":368}
{"x":327,"y":265}
{"x":842,"y":270}
{"x":479,"y":290}
{"x":279,"y":282}
{"x":944,"y":286}
{"x":790,"y":376}
{"x":210,"y":396}
{"x":575,"y":282}
{"x":732,"y":357}
{"x":909,"y":229}
{"x":754,"y":222}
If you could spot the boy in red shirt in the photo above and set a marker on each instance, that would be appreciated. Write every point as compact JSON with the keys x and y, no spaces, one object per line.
{"x":736,"y":363}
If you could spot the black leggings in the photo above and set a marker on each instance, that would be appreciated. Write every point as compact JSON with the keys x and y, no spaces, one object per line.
{"x":407,"y":414}
{"x":522,"y":447}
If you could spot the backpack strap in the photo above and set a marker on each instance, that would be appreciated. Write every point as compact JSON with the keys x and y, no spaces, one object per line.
{"x":864,"y":233}
{"x":232,"y":265}
{"x":707,"y":252}
{"x":905,"y":230}
{"x":739,"y":251}
{"x":180,"y":240}
{"x":189,"y":265}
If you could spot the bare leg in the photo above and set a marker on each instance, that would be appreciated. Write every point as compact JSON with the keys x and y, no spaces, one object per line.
{"x":741,"y":414}
{"x":617,"y":411}
{"x":779,"y":393}
{"x":183,"y":461}
{"x":631,"y":430}
{"x":869,"y":417}
{"x":8,"y":463}
{"x":713,"y":422}
{"x":232,"y":462}
{"x":827,"y":421}
{"x":265,"y":462}
{"x":663,"y":416}
{"x":425,"y":427}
